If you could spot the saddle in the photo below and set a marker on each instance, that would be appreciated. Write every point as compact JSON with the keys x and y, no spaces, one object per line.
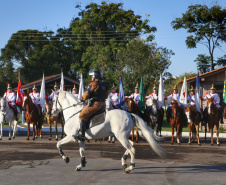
{"x":96,"y":119}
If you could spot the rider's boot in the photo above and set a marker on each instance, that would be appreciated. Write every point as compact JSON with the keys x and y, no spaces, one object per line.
{"x":82,"y":130}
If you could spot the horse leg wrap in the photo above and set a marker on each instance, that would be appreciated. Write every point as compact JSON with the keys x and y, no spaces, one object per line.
{"x":61,"y":152}
{"x":83,"y":161}
{"x":132,"y":164}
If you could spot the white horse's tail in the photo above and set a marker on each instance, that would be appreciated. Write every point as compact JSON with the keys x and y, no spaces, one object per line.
{"x":148,"y":133}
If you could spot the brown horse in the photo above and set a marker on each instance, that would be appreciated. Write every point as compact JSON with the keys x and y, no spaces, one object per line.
{"x":133,"y":108}
{"x":194,"y":118}
{"x":213,"y":118}
{"x":52,"y":119}
{"x":32,"y":116}
{"x":176,"y":119}
{"x":224,"y":111}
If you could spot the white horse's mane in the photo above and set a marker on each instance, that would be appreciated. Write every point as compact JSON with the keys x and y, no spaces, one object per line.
{"x":70,"y":97}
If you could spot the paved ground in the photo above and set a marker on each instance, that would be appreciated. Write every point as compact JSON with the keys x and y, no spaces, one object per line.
{"x":38,"y":162}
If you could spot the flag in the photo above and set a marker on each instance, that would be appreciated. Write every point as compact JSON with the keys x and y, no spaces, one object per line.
{"x":161,"y":92}
{"x":62,"y":88}
{"x":121,"y":93}
{"x":19,"y":97}
{"x":141,"y":103}
{"x":224,"y":90}
{"x":198,"y":84}
{"x":183,"y":94}
{"x":197,"y":101}
{"x":42,"y":93}
{"x":81,"y":88}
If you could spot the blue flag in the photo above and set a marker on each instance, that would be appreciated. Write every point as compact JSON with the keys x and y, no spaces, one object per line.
{"x":198,"y":84}
{"x":121,"y":93}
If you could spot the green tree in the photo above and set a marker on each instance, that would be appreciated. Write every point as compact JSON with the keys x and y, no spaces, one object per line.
{"x":100,"y":30}
{"x":206,"y":25}
{"x":203,"y":63}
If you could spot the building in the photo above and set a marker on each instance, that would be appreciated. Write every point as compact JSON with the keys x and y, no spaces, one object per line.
{"x":49,"y":84}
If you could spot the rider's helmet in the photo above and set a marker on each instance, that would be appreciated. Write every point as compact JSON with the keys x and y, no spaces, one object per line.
{"x":155,"y":88}
{"x":9,"y":86}
{"x":113,"y":86}
{"x":175,"y":87}
{"x":192,"y":89}
{"x":74,"y":88}
{"x":137,"y":87}
{"x":34,"y":88}
{"x":95,"y":74}
{"x":212,"y":88}
{"x":55,"y":86}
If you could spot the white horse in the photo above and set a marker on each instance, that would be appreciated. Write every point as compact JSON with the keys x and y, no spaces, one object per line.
{"x":7,"y":115}
{"x":118,"y":123}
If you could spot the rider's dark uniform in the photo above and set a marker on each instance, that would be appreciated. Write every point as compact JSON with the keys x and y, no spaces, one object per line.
{"x":96,"y":94}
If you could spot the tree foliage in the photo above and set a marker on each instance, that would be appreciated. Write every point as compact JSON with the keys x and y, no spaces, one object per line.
{"x":104,"y":37}
{"x":206,"y":25}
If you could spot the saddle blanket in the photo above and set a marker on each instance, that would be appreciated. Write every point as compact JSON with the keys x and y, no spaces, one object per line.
{"x":96,"y":120}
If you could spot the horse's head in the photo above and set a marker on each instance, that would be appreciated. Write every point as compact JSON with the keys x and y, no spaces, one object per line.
{"x":4,"y":104}
{"x":57,"y":107}
{"x":210,"y":105}
{"x":132,"y":107}
{"x":48,"y":106}
{"x":155,"y":106}
{"x":108,"y":104}
{"x":174,"y":104}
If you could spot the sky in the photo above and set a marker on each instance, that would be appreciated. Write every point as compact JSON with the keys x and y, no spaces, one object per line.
{"x":46,"y":15}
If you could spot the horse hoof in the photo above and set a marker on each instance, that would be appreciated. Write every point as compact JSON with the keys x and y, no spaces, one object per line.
{"x":0,"y":138}
{"x":124,"y":167}
{"x":199,"y":144}
{"x":9,"y":138}
{"x":109,"y":141}
{"x":218,"y":144}
{"x":56,"y":139}
{"x":211,"y":144}
{"x":49,"y":139}
{"x":189,"y":143}
{"x":112,"y":142}
{"x":13,"y":137}
{"x":67,"y":160}
{"x":33,"y":139}
{"x":178,"y":143}
{"x":78,"y":169}
{"x":27,"y":139}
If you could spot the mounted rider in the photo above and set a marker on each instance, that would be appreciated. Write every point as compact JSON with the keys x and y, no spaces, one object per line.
{"x":175,"y":96}
{"x":35,"y":97}
{"x":191,"y":96}
{"x":114,"y":97}
{"x":135,"y":96}
{"x":11,"y":98}
{"x":216,"y":101}
{"x":154,"y":96}
{"x":96,"y":93}
{"x":56,"y":88}
{"x":75,"y":91}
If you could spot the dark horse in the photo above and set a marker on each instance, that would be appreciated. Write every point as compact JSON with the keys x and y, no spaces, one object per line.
{"x":213,"y":117}
{"x":32,"y":116}
{"x":133,"y":108}
{"x":176,"y":120}
{"x":155,"y":116}
{"x":51,"y":119}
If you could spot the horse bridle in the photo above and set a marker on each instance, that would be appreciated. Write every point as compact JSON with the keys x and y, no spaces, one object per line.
{"x":57,"y":101}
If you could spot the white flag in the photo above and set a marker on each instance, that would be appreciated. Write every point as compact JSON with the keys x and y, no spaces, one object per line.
{"x":42,"y":93}
{"x":62,"y":88}
{"x":183,"y":94}
{"x":161,"y":92}
{"x":81,"y":88}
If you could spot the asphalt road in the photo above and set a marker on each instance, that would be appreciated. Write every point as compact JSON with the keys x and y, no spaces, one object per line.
{"x":38,"y":162}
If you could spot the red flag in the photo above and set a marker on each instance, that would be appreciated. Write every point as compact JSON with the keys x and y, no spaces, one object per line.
{"x":19,"y":98}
